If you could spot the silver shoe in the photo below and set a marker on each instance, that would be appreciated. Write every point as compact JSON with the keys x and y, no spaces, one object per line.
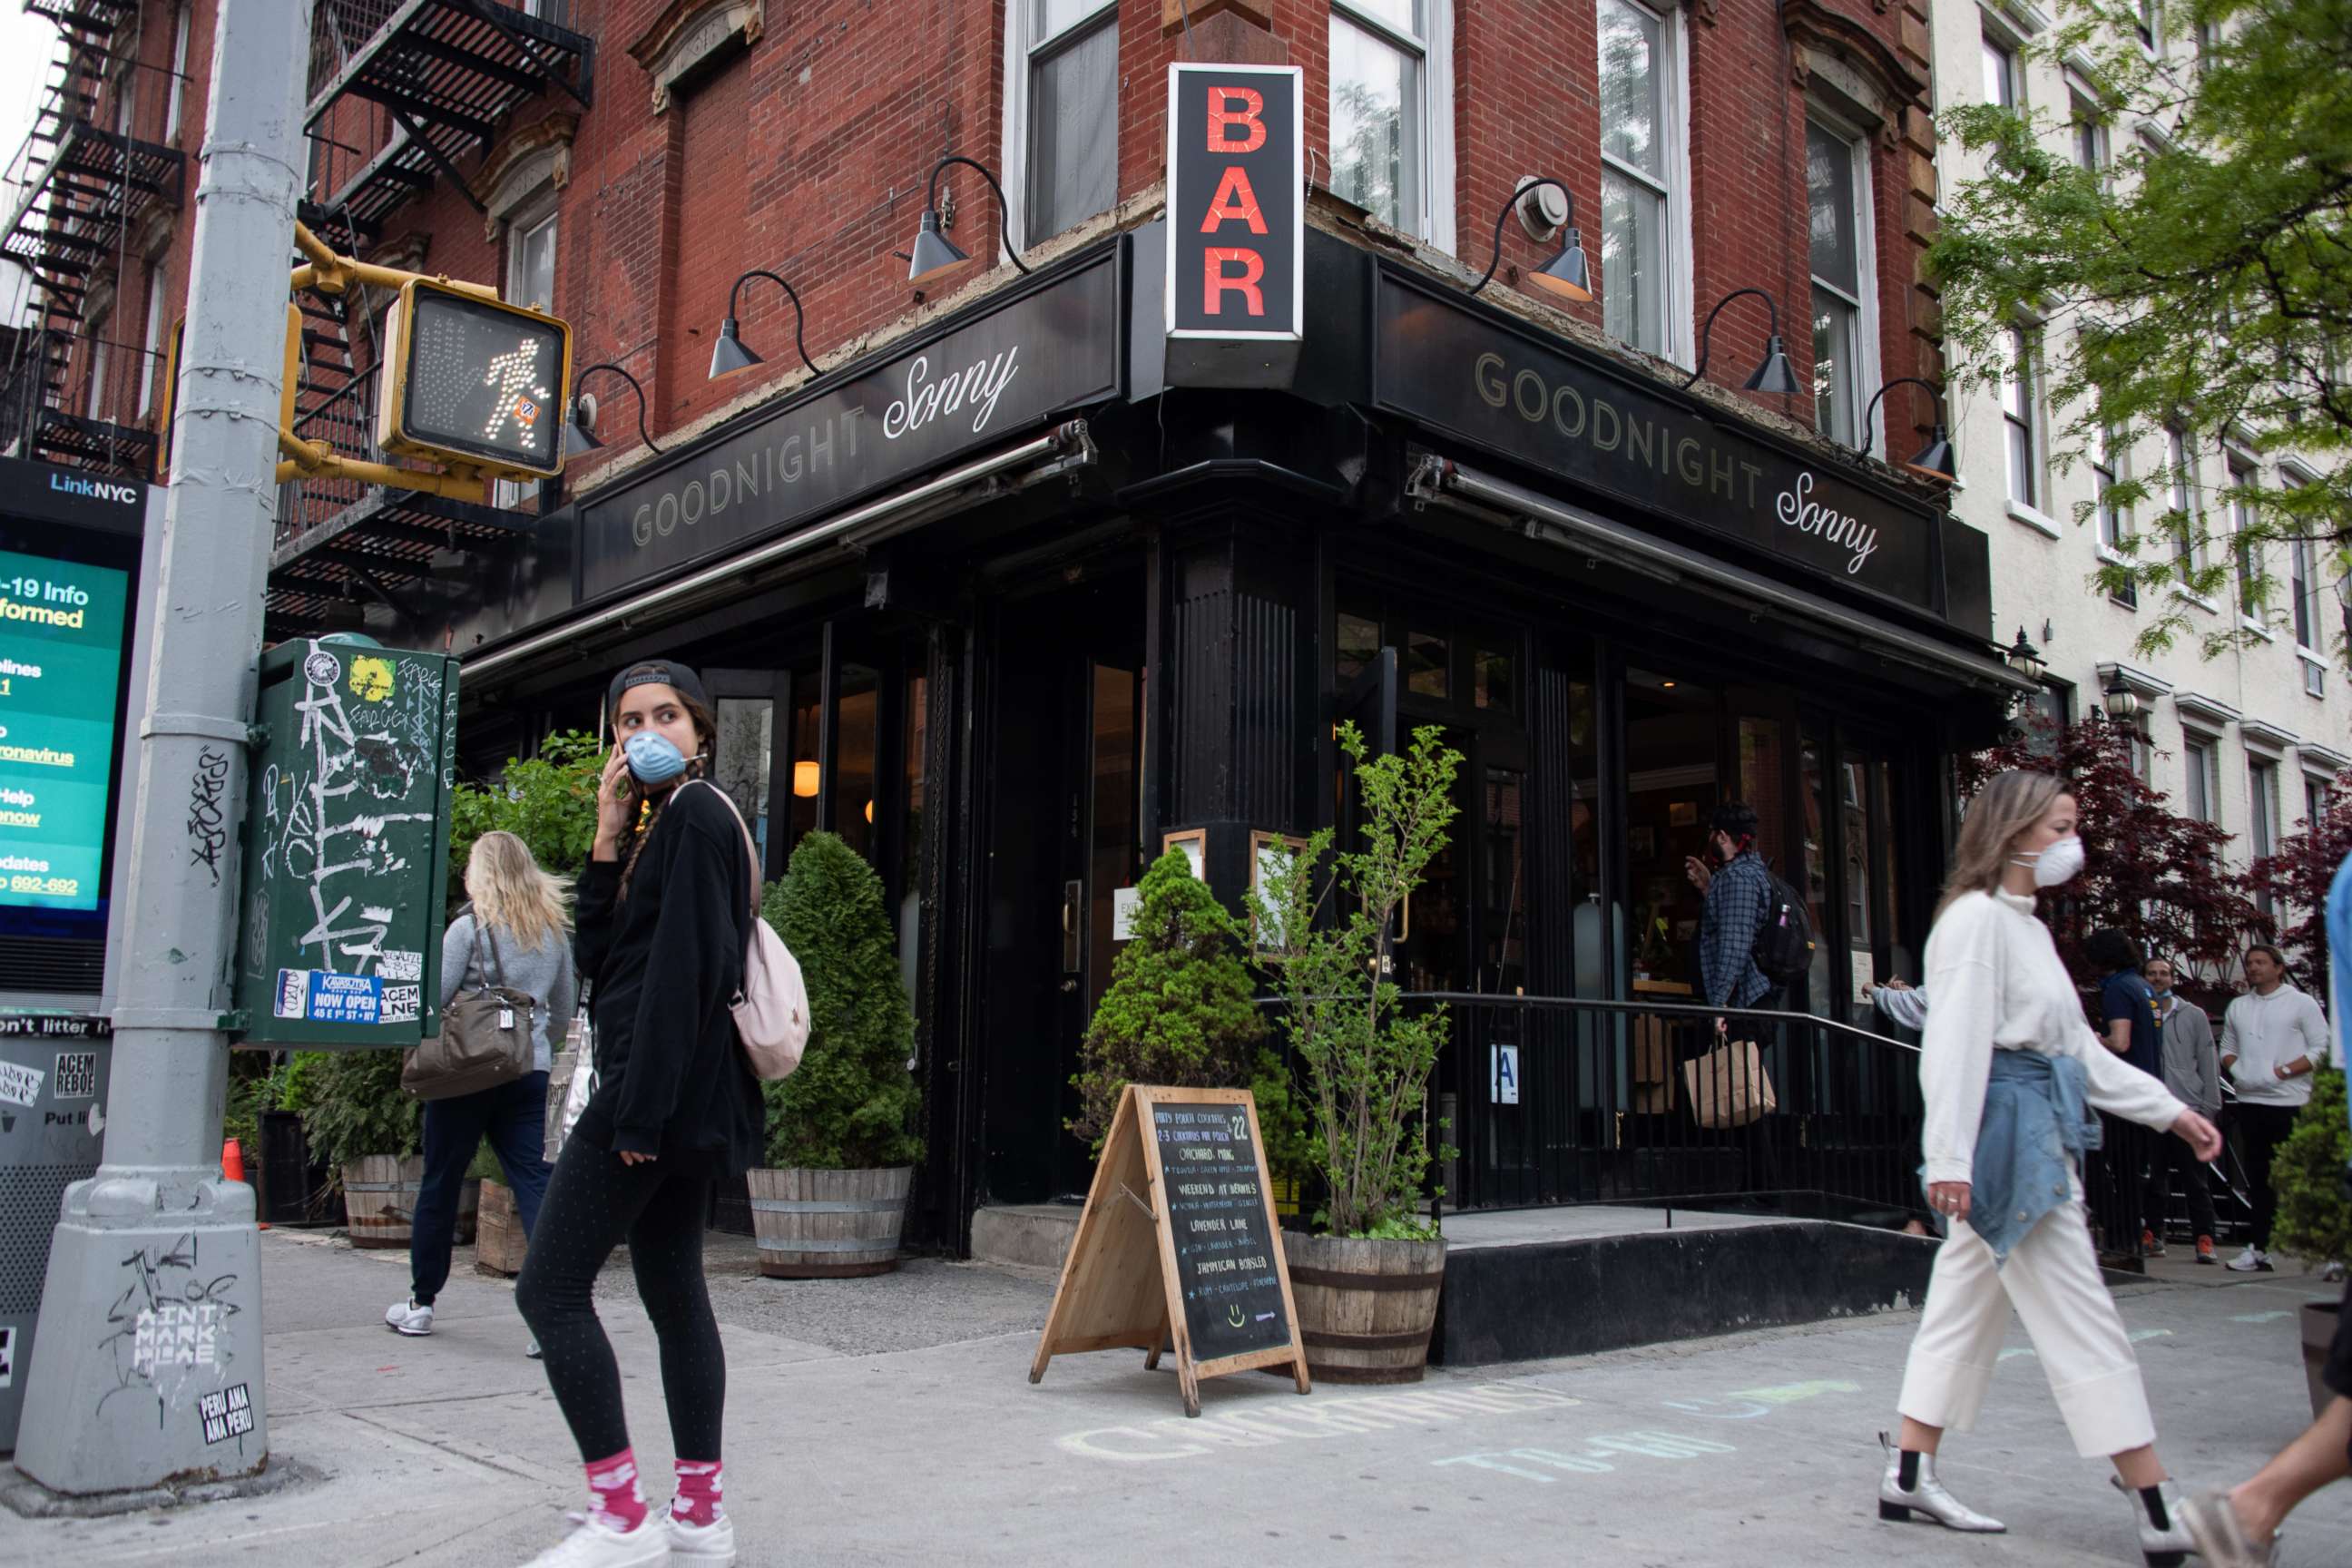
{"x":2164,"y":1538}
{"x":2221,"y":1539}
{"x":1928,"y":1497}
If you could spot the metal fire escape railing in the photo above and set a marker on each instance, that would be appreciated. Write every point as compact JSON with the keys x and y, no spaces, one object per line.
{"x":79,"y":187}
{"x":446,"y":73}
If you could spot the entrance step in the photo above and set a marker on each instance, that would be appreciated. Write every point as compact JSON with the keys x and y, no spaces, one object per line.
{"x":1037,"y":1235}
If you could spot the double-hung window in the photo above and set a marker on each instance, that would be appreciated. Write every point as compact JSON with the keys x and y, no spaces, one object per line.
{"x":1066,"y":108}
{"x":2020,"y":419}
{"x":1837,"y":183}
{"x":2182,"y":501}
{"x":151,"y":367}
{"x":2090,"y":137}
{"x":531,"y":280}
{"x":1391,"y":112}
{"x":179,"y":74}
{"x":99,"y":348}
{"x":1641,"y":174}
{"x":2261,"y":806}
{"x":2241,"y":539}
{"x":2111,"y":527}
{"x":2303,"y":585}
{"x":2203,"y":795}
{"x":2000,"y":75}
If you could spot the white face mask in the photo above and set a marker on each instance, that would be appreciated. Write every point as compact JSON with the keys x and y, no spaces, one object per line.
{"x":2056,"y":865}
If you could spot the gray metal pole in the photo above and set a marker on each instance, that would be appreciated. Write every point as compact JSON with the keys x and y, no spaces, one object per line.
{"x":149,"y":1364}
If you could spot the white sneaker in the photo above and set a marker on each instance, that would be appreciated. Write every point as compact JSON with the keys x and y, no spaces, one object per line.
{"x":595,"y":1545}
{"x":408,"y":1318}
{"x":531,"y":1349}
{"x":708,"y":1545}
{"x":2249,"y":1261}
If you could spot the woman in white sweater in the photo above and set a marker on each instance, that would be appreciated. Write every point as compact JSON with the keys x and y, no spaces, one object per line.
{"x":2010,"y":1069}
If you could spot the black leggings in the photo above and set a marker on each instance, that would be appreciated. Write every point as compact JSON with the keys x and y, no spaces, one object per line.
{"x":594,"y":1200}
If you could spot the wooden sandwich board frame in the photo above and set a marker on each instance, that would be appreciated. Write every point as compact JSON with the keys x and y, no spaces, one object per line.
{"x":1120,"y":1289}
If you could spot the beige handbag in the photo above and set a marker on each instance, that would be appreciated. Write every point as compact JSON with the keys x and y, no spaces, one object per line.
{"x":1729,"y":1086}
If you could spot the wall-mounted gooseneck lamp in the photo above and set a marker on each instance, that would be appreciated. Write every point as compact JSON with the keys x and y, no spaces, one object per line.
{"x":1567,"y":276}
{"x":935,"y":257}
{"x":579,"y":435}
{"x":1933,"y":460}
{"x":731,"y":353}
{"x":1774,"y":373}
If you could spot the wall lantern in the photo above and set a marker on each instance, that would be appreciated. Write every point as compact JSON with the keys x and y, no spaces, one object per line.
{"x":935,"y":257}
{"x":579,"y":430}
{"x":1933,"y":460}
{"x":731,"y":353}
{"x":1567,"y":276}
{"x":1774,"y":373}
{"x":2025,"y":658}
{"x":2121,"y":701}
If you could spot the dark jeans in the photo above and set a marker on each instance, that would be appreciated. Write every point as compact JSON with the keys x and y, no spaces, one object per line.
{"x":594,"y":1203}
{"x":2261,"y":1128}
{"x":513,"y":1116}
{"x":2181,"y":1163}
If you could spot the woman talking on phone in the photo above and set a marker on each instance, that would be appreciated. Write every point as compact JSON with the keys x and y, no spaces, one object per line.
{"x":2010,"y":1072}
{"x":661,"y":930}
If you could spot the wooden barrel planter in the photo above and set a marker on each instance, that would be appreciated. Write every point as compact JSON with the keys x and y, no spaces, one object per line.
{"x":829,"y":1224}
{"x":378,"y":1198}
{"x":1365,"y":1307}
{"x":469,"y":1210}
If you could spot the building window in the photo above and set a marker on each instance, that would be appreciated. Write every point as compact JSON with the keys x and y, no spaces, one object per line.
{"x":2149,"y":25}
{"x":2000,"y":73}
{"x":179,"y":76}
{"x":531,"y":280}
{"x":1390,"y":112}
{"x":2303,"y":586}
{"x":1069,"y":67}
{"x":2241,"y":537}
{"x":1837,"y":183}
{"x":2143,"y":753}
{"x":1641,"y":174}
{"x":2018,"y":415}
{"x":2113,"y":536}
{"x":2314,"y":802}
{"x":2090,"y":137}
{"x":2261,"y":806}
{"x":2181,"y":499}
{"x":2203,"y":795}
{"x":97,"y":366}
{"x":151,"y":361}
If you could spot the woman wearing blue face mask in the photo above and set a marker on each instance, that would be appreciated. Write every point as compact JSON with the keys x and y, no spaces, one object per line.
{"x":661,"y":923}
{"x":2011,"y":1072}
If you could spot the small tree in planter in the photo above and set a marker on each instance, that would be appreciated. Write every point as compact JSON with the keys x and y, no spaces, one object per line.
{"x":368,"y":1132}
{"x":1179,"y":1013}
{"x":547,"y":801}
{"x":1367,"y":1062}
{"x":2313,"y":1173}
{"x":839,"y":1128}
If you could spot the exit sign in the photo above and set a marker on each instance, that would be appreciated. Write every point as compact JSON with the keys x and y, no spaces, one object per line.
{"x":1236,"y":202}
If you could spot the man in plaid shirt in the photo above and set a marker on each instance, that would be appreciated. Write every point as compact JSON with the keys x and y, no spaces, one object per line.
{"x":1739,"y":896}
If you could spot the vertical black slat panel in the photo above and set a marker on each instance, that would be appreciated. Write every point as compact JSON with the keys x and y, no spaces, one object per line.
{"x":1203,"y":707}
{"x":1267,"y":736}
{"x":1552,"y":901}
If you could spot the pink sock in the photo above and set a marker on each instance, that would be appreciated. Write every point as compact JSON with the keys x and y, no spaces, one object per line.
{"x":698,"y":1488}
{"x":619,"y":1501}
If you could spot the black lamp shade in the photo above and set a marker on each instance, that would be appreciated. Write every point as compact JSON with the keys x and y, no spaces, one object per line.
{"x":578,"y":440}
{"x":1776,"y":374}
{"x":935,"y":257}
{"x":730,"y":354}
{"x":1934,"y":459}
{"x":1566,"y":276}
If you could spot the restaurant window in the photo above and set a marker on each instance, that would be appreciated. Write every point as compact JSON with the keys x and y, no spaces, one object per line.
{"x":1356,"y":646}
{"x":2000,"y":83}
{"x":172,"y":90}
{"x":1812,"y":762}
{"x":910,"y":866}
{"x":2201,"y":786}
{"x":808,"y":765}
{"x":1068,"y":68}
{"x":2021,"y":417}
{"x":1494,"y":679}
{"x":1837,"y":183}
{"x":858,"y":721}
{"x":1643,"y":176}
{"x":531,"y":280}
{"x":746,"y":753}
{"x":1427,"y":655}
{"x":1391,"y":112}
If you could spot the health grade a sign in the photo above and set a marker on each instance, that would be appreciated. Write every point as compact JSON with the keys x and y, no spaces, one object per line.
{"x":61,"y":625}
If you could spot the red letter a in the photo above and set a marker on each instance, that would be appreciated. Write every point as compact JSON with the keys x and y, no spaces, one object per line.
{"x":1234,"y":199}
{"x":1214,"y":282}
{"x":1223,"y":120}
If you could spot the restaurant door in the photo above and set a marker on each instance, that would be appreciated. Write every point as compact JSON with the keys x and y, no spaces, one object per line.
{"x":1063,"y":759}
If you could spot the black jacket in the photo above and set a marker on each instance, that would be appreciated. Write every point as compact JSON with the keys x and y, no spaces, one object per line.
{"x":665,"y":963}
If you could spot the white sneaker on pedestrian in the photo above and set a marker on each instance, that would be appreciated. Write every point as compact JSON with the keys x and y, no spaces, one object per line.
{"x":531,"y":1349}
{"x":408,"y":1318}
{"x":596,"y":1545}
{"x":2251,"y":1262}
{"x":708,"y":1545}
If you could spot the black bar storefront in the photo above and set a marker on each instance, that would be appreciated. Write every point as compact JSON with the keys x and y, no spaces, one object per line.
{"x":1016,"y":603}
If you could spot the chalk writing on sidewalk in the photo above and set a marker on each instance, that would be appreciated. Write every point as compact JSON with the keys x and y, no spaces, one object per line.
{"x":1271,"y":1423}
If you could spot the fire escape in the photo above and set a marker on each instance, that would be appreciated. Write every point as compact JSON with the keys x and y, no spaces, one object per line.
{"x":439,"y":80}
{"x":83,"y":187}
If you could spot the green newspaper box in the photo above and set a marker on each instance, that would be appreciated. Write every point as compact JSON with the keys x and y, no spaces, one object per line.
{"x":347,"y":846}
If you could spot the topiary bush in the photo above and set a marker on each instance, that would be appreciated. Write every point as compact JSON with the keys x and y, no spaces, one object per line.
{"x":2311,"y":1171}
{"x":850,"y":1105}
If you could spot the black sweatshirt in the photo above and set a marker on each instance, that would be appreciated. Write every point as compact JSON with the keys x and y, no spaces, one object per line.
{"x":666,"y":962}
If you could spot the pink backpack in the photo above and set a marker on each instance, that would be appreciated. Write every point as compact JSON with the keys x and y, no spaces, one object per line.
{"x":771,"y":1010}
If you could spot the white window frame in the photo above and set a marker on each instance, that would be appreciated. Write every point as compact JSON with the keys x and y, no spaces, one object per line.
{"x":2151,"y":12}
{"x":2106,"y":471}
{"x":172,"y":100}
{"x":96,"y":404}
{"x":1435,"y":221}
{"x":1994,"y":37}
{"x":1020,"y":55}
{"x":525,"y":221}
{"x":149,"y":362}
{"x":2302,"y":559}
{"x":2083,"y":116}
{"x":1866,"y":373}
{"x":2242,"y":469}
{"x":2262,"y":804}
{"x":1681,"y":304}
{"x":2201,"y":753}
{"x":2025,"y":336}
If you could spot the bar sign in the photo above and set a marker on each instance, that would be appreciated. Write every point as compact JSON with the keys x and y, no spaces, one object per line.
{"x":1236,"y":208}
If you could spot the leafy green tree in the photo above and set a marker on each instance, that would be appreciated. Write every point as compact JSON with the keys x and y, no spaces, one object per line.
{"x":353,"y":1107}
{"x":1368,"y":1062}
{"x":547,"y":801}
{"x":851,"y":1103}
{"x":2202,"y":280}
{"x":2313,"y":1171}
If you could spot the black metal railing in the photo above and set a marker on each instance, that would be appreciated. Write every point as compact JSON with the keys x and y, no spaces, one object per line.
{"x":345,"y":420}
{"x":47,"y":377}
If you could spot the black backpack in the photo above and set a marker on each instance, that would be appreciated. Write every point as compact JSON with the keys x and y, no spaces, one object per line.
{"x":1784,"y":944}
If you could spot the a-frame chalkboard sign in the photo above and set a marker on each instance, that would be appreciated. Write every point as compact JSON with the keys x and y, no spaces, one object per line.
{"x":1178,"y":1245}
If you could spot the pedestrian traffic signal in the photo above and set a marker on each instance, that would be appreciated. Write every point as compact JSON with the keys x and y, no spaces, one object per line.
{"x":475,"y":382}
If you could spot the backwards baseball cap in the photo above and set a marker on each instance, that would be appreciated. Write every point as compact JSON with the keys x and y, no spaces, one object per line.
{"x":656,"y":672}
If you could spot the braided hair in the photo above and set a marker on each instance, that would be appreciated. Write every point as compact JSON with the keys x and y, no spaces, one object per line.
{"x":650,"y":809}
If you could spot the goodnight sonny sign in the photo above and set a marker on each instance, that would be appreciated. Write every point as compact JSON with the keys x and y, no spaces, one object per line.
{"x":975,"y":387}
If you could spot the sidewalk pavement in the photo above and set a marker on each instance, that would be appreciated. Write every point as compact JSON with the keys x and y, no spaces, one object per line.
{"x":890,"y":1421}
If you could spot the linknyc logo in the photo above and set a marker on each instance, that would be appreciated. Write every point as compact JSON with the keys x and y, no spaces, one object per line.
{"x":122,"y":495}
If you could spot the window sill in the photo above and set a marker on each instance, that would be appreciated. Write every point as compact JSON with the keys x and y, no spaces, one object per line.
{"x":2248,"y":624}
{"x":2310,"y":656}
{"x":2020,"y":512}
{"x":2199,"y":600}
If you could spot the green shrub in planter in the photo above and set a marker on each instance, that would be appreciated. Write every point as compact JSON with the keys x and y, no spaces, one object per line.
{"x":2315,"y":1212}
{"x":547,"y":801}
{"x":850,"y":1105}
{"x":355,"y":1106}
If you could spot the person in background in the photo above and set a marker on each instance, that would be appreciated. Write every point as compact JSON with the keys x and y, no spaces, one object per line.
{"x":2240,"y":1528}
{"x":2127,"y":1025}
{"x":2271,"y":1039}
{"x":2192,"y":1072}
{"x":1738,"y":890}
{"x":516,"y":932}
{"x":1902,"y":1004}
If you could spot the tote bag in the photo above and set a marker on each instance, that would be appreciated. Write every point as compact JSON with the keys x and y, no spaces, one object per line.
{"x":1729,"y":1086}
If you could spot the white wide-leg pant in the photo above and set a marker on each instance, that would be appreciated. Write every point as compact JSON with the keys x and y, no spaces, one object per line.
{"x":2052,"y":1277}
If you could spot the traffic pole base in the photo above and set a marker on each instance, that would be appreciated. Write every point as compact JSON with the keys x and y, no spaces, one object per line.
{"x":29,"y":1498}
